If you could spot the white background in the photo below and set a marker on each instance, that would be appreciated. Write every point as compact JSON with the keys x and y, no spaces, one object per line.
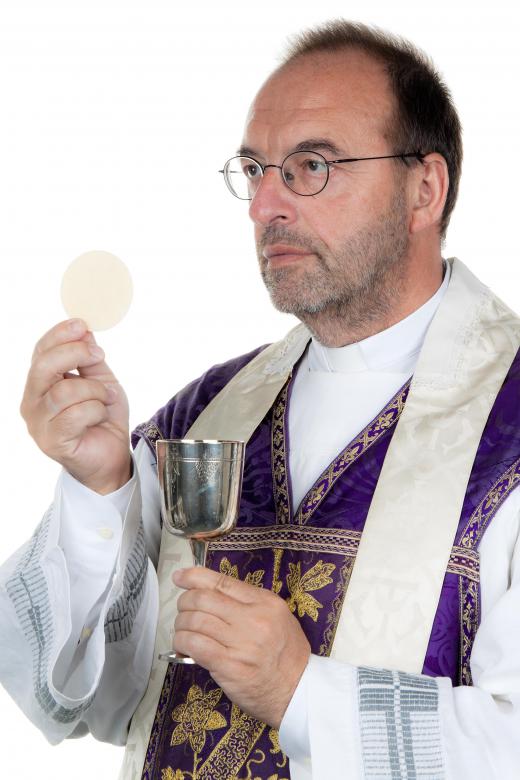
{"x":115,"y":116}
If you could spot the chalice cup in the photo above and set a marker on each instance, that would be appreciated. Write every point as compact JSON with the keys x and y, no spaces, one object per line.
{"x":200,"y":487}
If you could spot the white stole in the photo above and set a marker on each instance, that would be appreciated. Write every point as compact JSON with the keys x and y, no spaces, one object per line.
{"x":396,"y":581}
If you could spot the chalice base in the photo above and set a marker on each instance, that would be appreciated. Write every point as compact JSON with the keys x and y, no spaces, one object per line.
{"x":176,"y":658}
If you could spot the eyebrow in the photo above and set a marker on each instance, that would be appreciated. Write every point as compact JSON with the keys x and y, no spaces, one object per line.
{"x":311,"y":144}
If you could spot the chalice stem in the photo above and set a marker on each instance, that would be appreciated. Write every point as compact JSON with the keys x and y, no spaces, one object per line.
{"x":199,"y":549}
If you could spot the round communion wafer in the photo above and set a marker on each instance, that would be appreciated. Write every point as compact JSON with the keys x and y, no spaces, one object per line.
{"x":97,"y":287}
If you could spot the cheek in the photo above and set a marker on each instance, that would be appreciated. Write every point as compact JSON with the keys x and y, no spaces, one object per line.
{"x":342,"y":217}
{"x":332,"y":222}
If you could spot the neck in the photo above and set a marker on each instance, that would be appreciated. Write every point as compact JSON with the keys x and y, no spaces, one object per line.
{"x":375,"y":310}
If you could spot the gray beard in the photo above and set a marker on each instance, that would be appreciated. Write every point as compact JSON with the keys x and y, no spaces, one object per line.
{"x":357,"y":286}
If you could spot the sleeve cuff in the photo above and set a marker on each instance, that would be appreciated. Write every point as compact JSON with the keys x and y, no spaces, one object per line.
{"x":120,"y":498}
{"x":91,"y":527}
{"x":294,"y":728}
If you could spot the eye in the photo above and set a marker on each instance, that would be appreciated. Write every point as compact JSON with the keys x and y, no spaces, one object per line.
{"x":251,"y":170}
{"x":312,"y":165}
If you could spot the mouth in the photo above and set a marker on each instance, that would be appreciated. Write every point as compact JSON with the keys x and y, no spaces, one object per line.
{"x":278,"y":255}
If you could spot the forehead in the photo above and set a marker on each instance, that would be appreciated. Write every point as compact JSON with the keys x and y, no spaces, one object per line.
{"x":343,"y":96}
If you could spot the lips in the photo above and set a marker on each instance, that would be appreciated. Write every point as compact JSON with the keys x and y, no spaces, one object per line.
{"x":283,"y":254}
{"x":282,"y":249}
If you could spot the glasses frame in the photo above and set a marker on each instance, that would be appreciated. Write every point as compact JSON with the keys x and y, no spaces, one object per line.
{"x":419,"y":156}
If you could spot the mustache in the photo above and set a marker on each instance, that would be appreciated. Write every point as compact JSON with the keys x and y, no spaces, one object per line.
{"x":274,"y":234}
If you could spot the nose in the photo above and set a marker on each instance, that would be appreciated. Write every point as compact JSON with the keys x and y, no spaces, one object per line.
{"x":273,"y":200}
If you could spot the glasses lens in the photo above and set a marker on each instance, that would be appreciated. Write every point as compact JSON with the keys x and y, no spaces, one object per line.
{"x":242,"y":175}
{"x":306,"y":173}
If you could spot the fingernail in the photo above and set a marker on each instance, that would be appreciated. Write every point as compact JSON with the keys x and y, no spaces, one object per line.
{"x":77,"y":326}
{"x":96,"y":352}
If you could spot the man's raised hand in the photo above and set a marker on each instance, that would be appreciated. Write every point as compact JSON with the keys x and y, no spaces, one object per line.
{"x":79,"y":420}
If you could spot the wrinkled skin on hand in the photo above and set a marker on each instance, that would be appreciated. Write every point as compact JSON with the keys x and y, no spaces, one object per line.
{"x":246,"y":637}
{"x":76,"y":410}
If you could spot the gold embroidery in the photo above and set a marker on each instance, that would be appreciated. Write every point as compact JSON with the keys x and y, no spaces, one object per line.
{"x":152,"y":432}
{"x":299,"y":586}
{"x":252,"y":577}
{"x":279,"y":458}
{"x":464,"y":562}
{"x":275,"y":742}
{"x":277,"y":583}
{"x":336,"y":606}
{"x":469,"y":619}
{"x":168,"y":774}
{"x":322,"y":541}
{"x":226,"y":568}
{"x":255,"y":578}
{"x":485,"y":511}
{"x":236,"y":714}
{"x":259,"y":758}
{"x":363,"y":442}
{"x":311,"y":539}
{"x":233,"y":750}
{"x":196,"y":716}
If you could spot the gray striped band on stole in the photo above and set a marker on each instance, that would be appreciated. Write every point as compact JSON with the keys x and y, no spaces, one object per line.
{"x":400,"y":729}
{"x":27,"y":589}
{"x":120,"y":617}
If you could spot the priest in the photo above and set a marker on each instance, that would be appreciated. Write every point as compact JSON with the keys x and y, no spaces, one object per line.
{"x":363,"y":620}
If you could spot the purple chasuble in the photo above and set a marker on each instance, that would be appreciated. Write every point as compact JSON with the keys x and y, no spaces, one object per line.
{"x":306,"y":556}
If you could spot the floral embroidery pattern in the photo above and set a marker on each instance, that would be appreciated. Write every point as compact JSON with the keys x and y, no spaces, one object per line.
{"x":169,"y":774}
{"x":196,"y":716}
{"x":299,"y":586}
{"x":252,"y":577}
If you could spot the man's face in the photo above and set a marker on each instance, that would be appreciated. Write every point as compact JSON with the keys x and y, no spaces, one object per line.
{"x":326,"y":252}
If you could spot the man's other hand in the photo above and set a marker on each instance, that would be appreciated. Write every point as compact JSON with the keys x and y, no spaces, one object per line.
{"x":246,"y":637}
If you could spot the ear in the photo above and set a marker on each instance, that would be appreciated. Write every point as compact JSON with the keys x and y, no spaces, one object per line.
{"x":429,"y":182}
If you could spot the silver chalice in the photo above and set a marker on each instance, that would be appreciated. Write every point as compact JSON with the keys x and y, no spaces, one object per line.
{"x":200,"y":487}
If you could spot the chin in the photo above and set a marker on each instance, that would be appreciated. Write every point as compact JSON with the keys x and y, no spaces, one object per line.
{"x":290,"y":297}
{"x":297,"y":305}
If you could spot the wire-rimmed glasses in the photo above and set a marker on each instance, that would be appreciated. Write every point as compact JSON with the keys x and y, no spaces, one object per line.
{"x":305,"y":172}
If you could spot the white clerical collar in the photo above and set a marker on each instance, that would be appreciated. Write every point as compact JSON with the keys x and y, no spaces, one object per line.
{"x":382,"y":350}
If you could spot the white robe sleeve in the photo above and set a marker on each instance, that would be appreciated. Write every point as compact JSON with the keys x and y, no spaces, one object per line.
{"x":375,"y":723}
{"x":79,"y":606}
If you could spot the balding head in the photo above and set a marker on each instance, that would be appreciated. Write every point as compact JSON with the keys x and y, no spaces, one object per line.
{"x":425,"y":117}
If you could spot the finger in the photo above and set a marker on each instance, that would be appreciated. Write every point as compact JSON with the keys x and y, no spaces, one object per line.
{"x":72,"y":423}
{"x":64,"y":394}
{"x":68,"y":330}
{"x":202,"y":623}
{"x":205,"y":651}
{"x":49,"y":367}
{"x":210,"y":602}
{"x":201,"y":577}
